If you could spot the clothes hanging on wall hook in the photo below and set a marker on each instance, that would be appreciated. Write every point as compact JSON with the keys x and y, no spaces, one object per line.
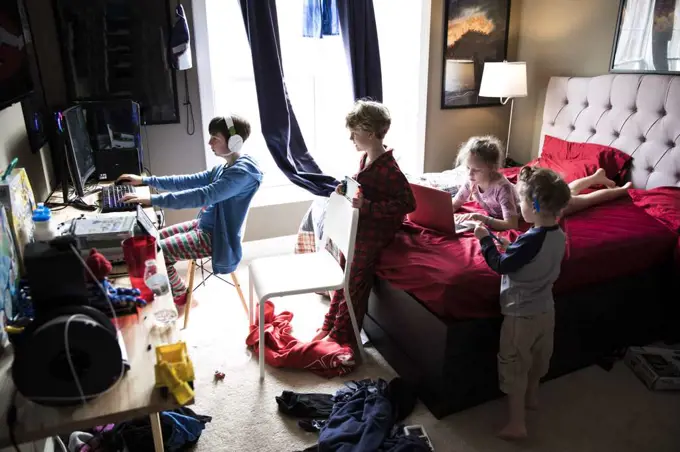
{"x":180,"y":45}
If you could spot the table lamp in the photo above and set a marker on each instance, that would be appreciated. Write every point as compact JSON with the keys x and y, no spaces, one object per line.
{"x":506,"y":80}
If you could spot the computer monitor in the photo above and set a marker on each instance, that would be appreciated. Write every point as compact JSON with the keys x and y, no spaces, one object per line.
{"x":79,"y":155}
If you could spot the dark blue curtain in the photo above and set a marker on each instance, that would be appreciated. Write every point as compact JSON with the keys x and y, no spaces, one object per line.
{"x":279,"y":125}
{"x":360,"y":37}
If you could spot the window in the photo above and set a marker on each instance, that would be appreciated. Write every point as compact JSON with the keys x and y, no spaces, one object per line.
{"x":318,"y":81}
{"x":640,"y":21}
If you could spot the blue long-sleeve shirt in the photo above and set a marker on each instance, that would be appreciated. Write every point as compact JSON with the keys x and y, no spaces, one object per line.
{"x":528,"y":269}
{"x":225,"y":192}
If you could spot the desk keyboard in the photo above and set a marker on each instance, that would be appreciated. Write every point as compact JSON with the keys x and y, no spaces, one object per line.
{"x":111,"y":196}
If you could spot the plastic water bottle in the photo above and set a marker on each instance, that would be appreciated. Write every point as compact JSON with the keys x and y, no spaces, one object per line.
{"x":44,"y":225}
{"x":158,"y":282}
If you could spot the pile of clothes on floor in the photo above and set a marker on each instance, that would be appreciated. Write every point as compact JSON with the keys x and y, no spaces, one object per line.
{"x":362,"y":416}
{"x":181,"y":430}
{"x":282,"y":349}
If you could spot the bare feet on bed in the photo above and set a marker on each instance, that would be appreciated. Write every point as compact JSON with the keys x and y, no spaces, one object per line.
{"x":513,"y":432}
{"x":600,"y":178}
{"x":320,"y":334}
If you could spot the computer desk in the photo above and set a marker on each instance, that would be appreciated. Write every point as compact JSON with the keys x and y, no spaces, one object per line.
{"x":133,"y":396}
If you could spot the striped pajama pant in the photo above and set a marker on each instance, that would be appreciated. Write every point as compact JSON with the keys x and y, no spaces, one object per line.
{"x":181,"y":242}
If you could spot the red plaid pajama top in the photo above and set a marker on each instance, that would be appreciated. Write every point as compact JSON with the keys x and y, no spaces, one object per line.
{"x":387,"y":199}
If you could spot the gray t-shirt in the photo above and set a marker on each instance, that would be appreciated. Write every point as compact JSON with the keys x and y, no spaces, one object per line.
{"x":529,"y":268}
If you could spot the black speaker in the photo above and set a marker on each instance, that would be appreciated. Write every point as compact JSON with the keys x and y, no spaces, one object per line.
{"x":34,"y":109}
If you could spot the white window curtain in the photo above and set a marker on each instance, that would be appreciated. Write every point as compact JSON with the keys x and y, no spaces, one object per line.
{"x":318,"y":81}
{"x":634,"y":49}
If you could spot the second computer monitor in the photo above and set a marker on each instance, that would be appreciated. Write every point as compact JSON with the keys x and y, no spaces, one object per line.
{"x":79,"y":155}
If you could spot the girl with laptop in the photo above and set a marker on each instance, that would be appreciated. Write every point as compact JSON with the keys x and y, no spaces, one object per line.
{"x":497,"y":195}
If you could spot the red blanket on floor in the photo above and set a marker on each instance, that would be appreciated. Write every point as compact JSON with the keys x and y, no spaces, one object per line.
{"x":325,"y":358}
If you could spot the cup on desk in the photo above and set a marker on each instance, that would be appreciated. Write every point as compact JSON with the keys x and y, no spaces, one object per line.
{"x":137,"y":250}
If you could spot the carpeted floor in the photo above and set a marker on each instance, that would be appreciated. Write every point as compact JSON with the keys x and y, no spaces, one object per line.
{"x":587,"y":411}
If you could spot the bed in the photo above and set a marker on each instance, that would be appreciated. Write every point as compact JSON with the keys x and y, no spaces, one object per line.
{"x":434,"y":314}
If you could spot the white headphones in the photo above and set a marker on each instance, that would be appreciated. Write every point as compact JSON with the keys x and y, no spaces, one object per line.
{"x":235,"y":141}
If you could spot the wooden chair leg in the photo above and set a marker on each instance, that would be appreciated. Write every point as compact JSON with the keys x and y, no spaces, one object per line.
{"x":190,"y":292}
{"x":240,"y":293}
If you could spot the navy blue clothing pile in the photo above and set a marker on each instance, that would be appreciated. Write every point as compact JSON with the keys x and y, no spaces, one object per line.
{"x":363,"y":417}
{"x":181,"y":430}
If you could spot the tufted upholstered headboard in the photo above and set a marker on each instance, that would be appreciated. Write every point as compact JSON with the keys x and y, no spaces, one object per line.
{"x":637,"y":114}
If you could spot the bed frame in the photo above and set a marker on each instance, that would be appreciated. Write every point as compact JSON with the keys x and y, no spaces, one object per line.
{"x":452,"y":363}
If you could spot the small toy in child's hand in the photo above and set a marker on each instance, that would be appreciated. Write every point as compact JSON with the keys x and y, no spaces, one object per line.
{"x":495,"y":237}
{"x":352,"y":188}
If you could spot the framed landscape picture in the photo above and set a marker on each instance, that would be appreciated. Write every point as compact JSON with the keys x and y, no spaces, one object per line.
{"x":475,"y":32}
{"x":647,"y":37}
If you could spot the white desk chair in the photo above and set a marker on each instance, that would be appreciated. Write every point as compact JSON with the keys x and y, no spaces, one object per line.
{"x":296,"y":274}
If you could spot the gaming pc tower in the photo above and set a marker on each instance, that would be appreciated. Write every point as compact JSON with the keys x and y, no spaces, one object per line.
{"x":114,"y":129}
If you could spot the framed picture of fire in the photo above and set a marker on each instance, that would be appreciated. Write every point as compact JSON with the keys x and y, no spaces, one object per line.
{"x":475,"y":32}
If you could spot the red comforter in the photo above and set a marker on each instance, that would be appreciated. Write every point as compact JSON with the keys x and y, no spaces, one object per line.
{"x":449,"y":275}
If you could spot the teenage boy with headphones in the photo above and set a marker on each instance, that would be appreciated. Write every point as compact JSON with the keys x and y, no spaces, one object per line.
{"x":224,"y":193}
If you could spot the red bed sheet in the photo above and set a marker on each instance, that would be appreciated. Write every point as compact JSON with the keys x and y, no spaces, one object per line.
{"x":449,"y":275}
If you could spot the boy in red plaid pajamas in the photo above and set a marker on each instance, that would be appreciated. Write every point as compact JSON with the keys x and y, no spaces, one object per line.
{"x":385,"y":198}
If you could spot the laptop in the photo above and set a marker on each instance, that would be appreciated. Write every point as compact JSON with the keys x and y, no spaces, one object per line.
{"x":434,"y":210}
{"x":146,"y":225}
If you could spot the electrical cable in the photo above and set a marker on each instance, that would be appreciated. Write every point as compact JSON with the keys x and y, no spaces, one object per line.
{"x":61,"y":443}
{"x":67,"y":347}
{"x":191,"y":123}
{"x":96,"y":281}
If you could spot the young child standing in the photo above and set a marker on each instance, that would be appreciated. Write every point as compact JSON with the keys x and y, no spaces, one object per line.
{"x":224,"y":193}
{"x":497,"y":196}
{"x":529,"y":268}
{"x":384,"y":200}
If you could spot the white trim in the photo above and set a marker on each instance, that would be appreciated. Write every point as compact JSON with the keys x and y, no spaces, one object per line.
{"x":203,"y":69}
{"x":282,"y":194}
{"x":423,"y":83}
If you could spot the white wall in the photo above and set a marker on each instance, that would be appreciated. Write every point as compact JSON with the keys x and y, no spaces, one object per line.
{"x":447,"y":129}
{"x":170,"y":148}
{"x":558,"y":37}
{"x":14,"y":143}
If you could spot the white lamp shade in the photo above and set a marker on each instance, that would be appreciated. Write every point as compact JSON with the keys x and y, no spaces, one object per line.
{"x":504,"y":80}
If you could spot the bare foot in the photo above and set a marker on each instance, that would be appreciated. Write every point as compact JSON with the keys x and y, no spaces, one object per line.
{"x":600,"y":178}
{"x":627,"y":185}
{"x":513,"y":432}
{"x":320,"y":334}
